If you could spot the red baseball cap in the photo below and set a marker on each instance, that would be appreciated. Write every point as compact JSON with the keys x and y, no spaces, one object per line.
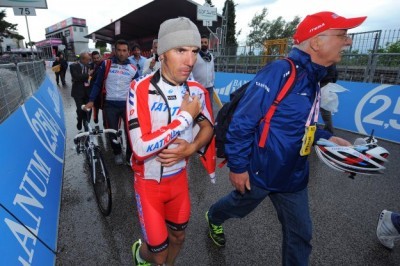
{"x":322,"y":21}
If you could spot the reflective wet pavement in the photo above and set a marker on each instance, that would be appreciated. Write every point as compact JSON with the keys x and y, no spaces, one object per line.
{"x":344,"y":213}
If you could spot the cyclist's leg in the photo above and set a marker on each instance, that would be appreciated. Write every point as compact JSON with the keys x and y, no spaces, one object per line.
{"x":177,"y":213}
{"x":112,"y":118}
{"x":150,"y":204}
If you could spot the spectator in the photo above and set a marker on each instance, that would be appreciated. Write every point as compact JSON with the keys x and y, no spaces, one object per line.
{"x":152,"y":64}
{"x":331,"y":77}
{"x":56,"y":69}
{"x":203,"y":70}
{"x":136,"y":59}
{"x":63,"y":69}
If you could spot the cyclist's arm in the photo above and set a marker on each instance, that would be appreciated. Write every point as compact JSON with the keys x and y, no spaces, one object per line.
{"x":144,"y":141}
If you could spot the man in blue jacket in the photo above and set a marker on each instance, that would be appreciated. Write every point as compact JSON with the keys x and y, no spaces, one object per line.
{"x":280,"y":170}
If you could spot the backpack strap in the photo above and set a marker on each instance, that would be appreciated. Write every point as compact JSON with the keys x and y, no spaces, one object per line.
{"x":282,"y":94}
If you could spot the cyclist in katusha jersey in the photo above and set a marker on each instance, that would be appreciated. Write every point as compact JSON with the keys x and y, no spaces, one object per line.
{"x":164,"y":109}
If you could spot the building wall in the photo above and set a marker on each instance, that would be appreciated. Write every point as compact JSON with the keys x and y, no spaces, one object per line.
{"x":12,"y":43}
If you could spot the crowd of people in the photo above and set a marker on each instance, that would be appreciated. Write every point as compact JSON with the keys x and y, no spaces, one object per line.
{"x":165,"y":103}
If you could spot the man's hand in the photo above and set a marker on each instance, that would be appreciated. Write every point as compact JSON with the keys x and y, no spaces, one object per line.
{"x":191,"y":105}
{"x":152,"y":63}
{"x":240,"y":181}
{"x":339,"y":141}
{"x":89,"y":106}
{"x":169,"y":157}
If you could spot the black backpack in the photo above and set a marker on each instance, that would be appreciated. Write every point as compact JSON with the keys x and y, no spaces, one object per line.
{"x":225,"y":114}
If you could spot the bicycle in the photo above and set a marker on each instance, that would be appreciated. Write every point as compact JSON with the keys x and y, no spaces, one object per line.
{"x":87,"y":142}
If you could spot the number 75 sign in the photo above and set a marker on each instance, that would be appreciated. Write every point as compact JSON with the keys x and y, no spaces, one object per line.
{"x":24,"y":11}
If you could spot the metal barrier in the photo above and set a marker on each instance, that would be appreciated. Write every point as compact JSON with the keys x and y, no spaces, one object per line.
{"x":371,"y":68}
{"x":17,"y":83}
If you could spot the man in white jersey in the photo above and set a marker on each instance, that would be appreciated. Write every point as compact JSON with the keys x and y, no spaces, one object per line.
{"x":152,"y":64}
{"x":163,"y":110}
{"x":113,"y":79}
{"x":203,"y":70}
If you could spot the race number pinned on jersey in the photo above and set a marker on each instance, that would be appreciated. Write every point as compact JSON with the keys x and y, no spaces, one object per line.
{"x":308,"y":140}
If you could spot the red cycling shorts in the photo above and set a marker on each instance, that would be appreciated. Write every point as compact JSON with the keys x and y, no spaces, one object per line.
{"x":162,"y":205}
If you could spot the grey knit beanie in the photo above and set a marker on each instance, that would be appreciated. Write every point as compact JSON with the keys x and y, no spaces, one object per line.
{"x":177,"y":32}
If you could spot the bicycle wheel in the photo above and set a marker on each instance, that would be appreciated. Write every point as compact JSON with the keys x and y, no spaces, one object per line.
{"x":101,"y":183}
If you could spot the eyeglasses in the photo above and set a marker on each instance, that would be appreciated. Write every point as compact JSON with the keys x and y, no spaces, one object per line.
{"x":344,"y":37}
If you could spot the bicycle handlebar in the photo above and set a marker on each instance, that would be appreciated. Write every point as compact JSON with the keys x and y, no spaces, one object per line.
{"x":108,"y":130}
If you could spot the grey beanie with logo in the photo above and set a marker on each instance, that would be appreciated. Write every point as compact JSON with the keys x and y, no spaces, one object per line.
{"x":177,"y":32}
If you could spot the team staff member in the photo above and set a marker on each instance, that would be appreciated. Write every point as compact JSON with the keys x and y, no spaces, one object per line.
{"x":161,"y":116}
{"x":280,"y":171}
{"x":80,"y":86}
{"x":119,"y":76}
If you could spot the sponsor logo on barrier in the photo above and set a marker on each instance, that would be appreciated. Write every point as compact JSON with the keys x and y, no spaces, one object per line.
{"x":231,"y":87}
{"x":378,"y":110}
{"x":55,"y":97}
{"x":32,"y":189}
{"x":46,"y":129}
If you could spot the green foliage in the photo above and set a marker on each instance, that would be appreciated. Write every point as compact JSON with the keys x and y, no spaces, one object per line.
{"x":209,"y":2}
{"x":262,"y":29}
{"x":231,"y":26}
{"x":100,"y":44}
{"x":29,"y":44}
{"x":393,"y":48}
{"x":7,"y":26}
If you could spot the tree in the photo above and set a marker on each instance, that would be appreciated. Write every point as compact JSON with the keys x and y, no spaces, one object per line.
{"x":393,"y":47}
{"x":30,"y":44}
{"x":231,"y":41}
{"x":6,"y":27}
{"x":263,"y":29}
{"x":209,"y":2}
{"x":102,"y":46}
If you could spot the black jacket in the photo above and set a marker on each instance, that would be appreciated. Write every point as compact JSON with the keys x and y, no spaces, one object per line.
{"x":79,"y":78}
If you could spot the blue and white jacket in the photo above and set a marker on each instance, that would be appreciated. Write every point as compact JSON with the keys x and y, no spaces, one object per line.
{"x":278,"y":167}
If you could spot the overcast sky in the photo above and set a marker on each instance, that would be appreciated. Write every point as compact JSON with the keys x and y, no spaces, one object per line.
{"x":382,"y":14}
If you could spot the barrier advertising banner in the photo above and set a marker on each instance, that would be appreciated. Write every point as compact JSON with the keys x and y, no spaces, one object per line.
{"x":365,"y":106}
{"x":32,"y":156}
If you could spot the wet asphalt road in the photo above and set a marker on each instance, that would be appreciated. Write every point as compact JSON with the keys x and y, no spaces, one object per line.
{"x":344,"y":213}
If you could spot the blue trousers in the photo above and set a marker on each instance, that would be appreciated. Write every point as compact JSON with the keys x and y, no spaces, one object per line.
{"x":293,"y":214}
{"x":396,"y":220}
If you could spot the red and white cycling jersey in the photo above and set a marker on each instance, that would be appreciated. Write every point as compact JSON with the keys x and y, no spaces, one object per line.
{"x":155,"y":121}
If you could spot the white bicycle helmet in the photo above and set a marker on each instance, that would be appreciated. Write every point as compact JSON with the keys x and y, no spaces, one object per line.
{"x":365,"y":159}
